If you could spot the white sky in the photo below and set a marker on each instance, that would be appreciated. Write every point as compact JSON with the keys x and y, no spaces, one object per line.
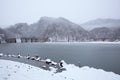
{"x":78,"y":11}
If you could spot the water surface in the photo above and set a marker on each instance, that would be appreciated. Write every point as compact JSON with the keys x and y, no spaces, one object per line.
{"x":99,"y":55}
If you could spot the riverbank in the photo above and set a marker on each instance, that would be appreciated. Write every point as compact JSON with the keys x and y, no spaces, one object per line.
{"x":32,"y":60}
{"x":11,"y":70}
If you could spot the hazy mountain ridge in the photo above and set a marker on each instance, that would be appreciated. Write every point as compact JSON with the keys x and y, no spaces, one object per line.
{"x":102,"y":32}
{"x":110,"y":23}
{"x":61,"y":29}
{"x":49,"y":28}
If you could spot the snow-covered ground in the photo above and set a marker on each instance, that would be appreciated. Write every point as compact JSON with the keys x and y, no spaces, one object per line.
{"x":10,"y":70}
{"x":92,"y":42}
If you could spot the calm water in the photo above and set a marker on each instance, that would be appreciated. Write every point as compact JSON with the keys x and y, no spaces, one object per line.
{"x":105,"y":56}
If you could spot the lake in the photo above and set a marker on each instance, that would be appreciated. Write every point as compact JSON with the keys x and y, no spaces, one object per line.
{"x":99,"y":55}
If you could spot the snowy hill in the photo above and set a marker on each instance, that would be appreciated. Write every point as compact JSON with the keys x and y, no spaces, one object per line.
{"x":102,"y":32}
{"x":17,"y":30}
{"x":59,"y":29}
{"x":110,"y":23}
{"x":56,"y":29}
{"x":62,"y":30}
{"x":10,"y":70}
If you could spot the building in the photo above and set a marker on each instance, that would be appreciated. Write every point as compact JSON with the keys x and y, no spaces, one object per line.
{"x":10,"y":40}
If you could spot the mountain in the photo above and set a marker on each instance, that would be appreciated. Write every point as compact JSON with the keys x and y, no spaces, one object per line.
{"x":47,"y":28}
{"x":116,"y":32}
{"x":110,"y":23}
{"x":102,"y":32}
{"x":2,"y":31}
{"x":17,"y":30}
{"x":61,"y":29}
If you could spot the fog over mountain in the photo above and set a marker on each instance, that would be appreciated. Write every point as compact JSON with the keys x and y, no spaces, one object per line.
{"x":61,"y":29}
{"x":110,"y":23}
{"x":58,"y":29}
{"x":49,"y":28}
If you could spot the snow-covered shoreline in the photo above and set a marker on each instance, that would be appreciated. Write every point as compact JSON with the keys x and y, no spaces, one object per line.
{"x":94,"y":42}
{"x":97,"y":42}
{"x":90,"y":42}
{"x":11,"y":70}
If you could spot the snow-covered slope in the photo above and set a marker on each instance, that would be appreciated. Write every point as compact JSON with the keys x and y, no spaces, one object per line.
{"x":56,"y":29}
{"x":62,"y":30}
{"x":10,"y":70}
{"x":102,"y":32}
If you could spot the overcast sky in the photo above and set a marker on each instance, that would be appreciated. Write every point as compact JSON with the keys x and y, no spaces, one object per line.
{"x":78,"y":11}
